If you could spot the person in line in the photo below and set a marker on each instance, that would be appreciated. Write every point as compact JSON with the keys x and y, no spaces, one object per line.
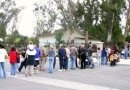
{"x":83,"y":57}
{"x":43,"y":58}
{"x":99,"y":56}
{"x":37,"y":58}
{"x":13,"y":61}
{"x":126,"y":52}
{"x":62,"y":57}
{"x":51,"y":56}
{"x":79,"y":54}
{"x":3,"y":57}
{"x":23,"y":60}
{"x":111,"y":58}
{"x":30,"y":55}
{"x":67,"y":48}
{"x":73,"y":51}
{"x":103,"y":56}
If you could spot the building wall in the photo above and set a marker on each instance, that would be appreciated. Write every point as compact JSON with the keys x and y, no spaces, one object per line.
{"x":47,"y":40}
{"x":75,"y":34}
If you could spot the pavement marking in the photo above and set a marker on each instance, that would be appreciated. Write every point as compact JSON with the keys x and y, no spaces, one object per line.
{"x":63,"y":83}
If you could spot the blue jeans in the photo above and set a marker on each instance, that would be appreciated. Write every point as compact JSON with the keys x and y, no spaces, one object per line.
{"x":51,"y":62}
{"x":2,"y":70}
{"x":72,"y":61}
{"x":103,"y":60}
{"x":126,"y":55}
{"x":13,"y":69}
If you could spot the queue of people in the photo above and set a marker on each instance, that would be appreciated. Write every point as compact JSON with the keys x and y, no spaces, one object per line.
{"x":34,"y":58}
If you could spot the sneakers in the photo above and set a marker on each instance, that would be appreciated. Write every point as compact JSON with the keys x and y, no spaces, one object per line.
{"x":61,"y":70}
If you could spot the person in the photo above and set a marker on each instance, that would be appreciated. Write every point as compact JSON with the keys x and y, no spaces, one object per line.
{"x":18,"y":59}
{"x":30,"y":44}
{"x":68,"y":56}
{"x":3,"y":57}
{"x":103,"y":56}
{"x":82,"y":56}
{"x":99,"y":56}
{"x":37,"y":58}
{"x":62,"y":57}
{"x":13,"y":61}
{"x":111,"y":58}
{"x":23,"y":60}
{"x":50,"y":58}
{"x":73,"y":51}
{"x":30,"y":55}
{"x":79,"y":53}
{"x":126,"y":52}
{"x":43,"y":57}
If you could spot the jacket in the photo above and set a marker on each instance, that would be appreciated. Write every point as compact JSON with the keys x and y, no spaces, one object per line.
{"x":13,"y":57}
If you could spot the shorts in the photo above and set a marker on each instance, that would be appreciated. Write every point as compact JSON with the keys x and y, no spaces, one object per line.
{"x":36,"y":63}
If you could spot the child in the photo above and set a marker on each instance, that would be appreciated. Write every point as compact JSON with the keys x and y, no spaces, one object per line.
{"x":111,"y":58}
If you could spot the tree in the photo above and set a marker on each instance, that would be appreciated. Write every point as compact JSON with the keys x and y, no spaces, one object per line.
{"x":8,"y":12}
{"x":58,"y":37}
{"x":127,"y":20}
{"x":88,"y":12}
{"x":110,"y":17}
{"x":46,"y":17}
{"x":68,"y":20}
{"x":58,"y":12}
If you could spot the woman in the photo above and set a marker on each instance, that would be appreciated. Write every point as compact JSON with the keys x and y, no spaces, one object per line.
{"x":99,"y":56}
{"x":3,"y":55}
{"x":30,"y":53}
{"x":13,"y":61}
{"x":23,"y":60}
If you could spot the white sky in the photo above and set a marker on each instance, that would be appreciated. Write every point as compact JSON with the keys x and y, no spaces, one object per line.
{"x":27,"y":19}
{"x":26,"y":23}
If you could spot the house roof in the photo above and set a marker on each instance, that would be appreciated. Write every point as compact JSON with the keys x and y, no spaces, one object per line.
{"x":49,"y":33}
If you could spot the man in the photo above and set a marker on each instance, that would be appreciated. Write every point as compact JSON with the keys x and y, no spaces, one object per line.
{"x":73,"y":51}
{"x":62,"y":57}
{"x":37,"y":58}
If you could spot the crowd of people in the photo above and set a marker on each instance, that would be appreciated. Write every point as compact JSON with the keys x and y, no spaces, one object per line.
{"x":34,"y":58}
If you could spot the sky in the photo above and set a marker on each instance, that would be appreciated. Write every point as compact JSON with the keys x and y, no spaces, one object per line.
{"x":27,"y":19}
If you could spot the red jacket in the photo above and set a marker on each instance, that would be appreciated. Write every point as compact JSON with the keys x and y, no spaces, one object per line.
{"x":13,"y":57}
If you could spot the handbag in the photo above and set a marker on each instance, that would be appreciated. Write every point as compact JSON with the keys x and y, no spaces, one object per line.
{"x":17,"y":58}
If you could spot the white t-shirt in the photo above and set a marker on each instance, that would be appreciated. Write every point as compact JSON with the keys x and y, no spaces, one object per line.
{"x":31,"y":52}
{"x":3,"y":53}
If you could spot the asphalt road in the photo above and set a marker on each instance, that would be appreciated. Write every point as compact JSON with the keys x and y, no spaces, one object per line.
{"x":100,"y":78}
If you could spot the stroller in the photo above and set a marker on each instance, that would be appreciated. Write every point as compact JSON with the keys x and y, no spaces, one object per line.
{"x":89,"y":63}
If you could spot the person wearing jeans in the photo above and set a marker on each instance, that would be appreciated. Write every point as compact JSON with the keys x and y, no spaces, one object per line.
{"x":73,"y":52}
{"x":2,"y":70}
{"x":72,"y":61}
{"x":103,"y":56}
{"x":13,"y":69}
{"x":13,"y":60}
{"x":3,"y":56}
{"x":51,"y":56}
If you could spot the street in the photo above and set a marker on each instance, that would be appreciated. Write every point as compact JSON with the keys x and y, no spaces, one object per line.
{"x":100,"y":78}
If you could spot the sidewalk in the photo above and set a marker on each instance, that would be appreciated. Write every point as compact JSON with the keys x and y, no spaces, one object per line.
{"x":124,"y":61}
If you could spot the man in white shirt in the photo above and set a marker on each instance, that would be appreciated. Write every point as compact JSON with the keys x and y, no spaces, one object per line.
{"x":3,"y":56}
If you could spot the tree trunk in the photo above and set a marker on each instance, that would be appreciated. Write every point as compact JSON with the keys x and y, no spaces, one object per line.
{"x":127,"y":24}
{"x":69,"y":34}
{"x":110,"y":31}
{"x":86,"y":39}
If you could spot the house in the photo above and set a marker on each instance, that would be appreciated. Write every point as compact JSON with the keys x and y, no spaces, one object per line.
{"x":77,"y":37}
